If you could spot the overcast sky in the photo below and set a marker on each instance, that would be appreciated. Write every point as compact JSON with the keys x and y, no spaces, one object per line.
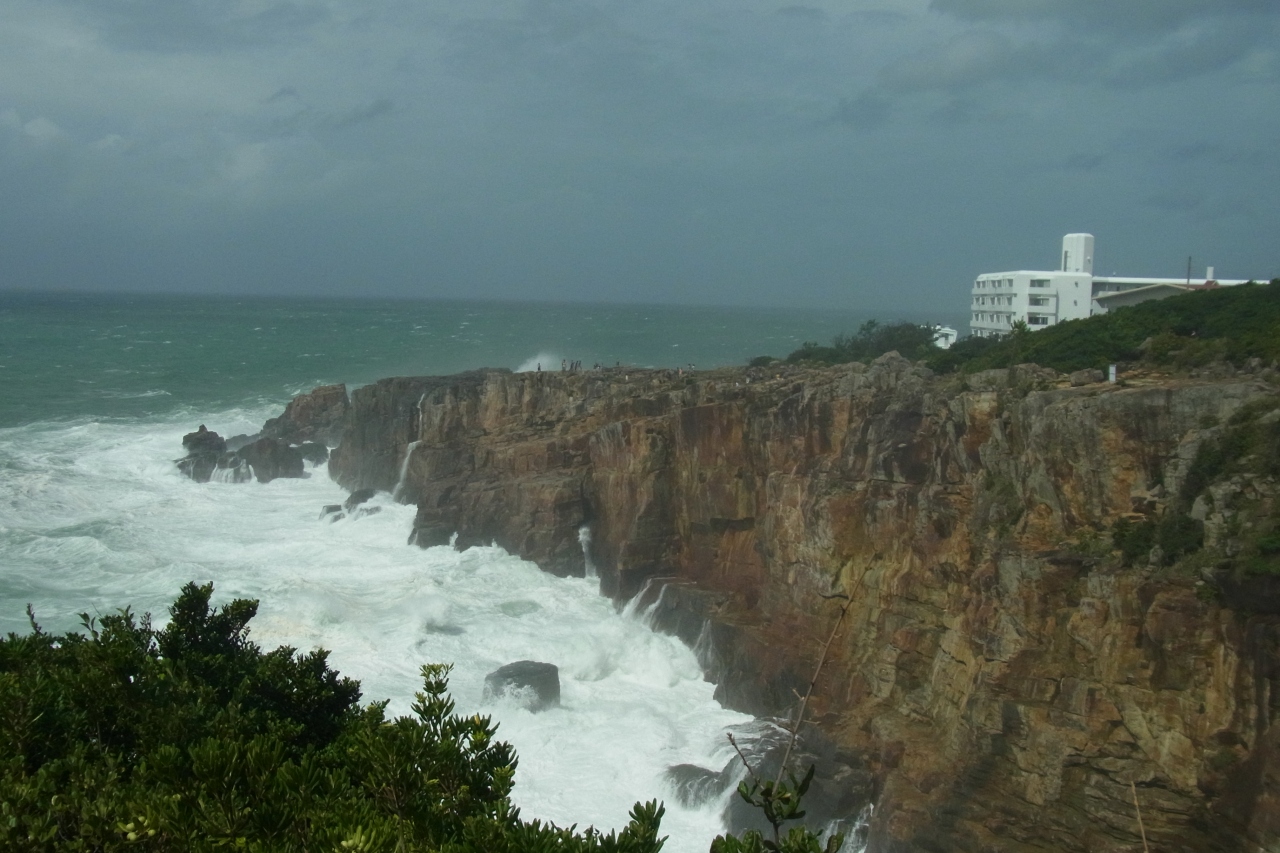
{"x":858,"y":153}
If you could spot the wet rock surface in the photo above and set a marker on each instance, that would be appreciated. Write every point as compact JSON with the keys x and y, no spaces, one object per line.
{"x":272,"y":459}
{"x":531,"y":684}
{"x":244,"y":458}
{"x":318,"y":416}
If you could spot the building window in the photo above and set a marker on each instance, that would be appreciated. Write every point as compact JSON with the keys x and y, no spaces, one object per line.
{"x":1038,"y":300}
{"x":1039,"y":282}
{"x":1037,"y":320}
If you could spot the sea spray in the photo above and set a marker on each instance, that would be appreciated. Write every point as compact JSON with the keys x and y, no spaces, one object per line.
{"x":584,"y":539}
{"x":404,"y":469}
{"x":98,"y":517}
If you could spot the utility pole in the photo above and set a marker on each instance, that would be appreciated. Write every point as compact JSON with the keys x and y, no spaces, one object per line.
{"x":1188,"y":270}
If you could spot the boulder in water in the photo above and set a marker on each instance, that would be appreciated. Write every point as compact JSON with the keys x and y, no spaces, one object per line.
{"x":271,"y":459}
{"x":204,"y":440}
{"x":205,"y":453}
{"x":531,"y":684}
{"x":695,"y":786}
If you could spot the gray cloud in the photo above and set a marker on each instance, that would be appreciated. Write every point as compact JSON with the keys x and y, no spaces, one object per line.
{"x":204,"y":25}
{"x":1127,"y":16}
{"x":364,"y":114}
{"x":853,"y":152}
{"x":866,"y":111}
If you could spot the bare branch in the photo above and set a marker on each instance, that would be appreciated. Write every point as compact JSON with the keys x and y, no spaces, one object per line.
{"x":745,"y":763}
{"x":804,"y":703}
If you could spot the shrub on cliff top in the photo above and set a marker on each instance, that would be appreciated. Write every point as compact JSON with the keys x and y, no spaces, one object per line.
{"x":873,"y":339}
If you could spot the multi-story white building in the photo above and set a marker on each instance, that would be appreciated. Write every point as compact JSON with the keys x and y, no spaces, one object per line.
{"x":1042,"y":298}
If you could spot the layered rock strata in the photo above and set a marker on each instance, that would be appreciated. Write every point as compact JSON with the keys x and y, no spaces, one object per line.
{"x":1006,"y":682}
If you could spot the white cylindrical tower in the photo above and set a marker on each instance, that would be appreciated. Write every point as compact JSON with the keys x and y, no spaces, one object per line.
{"x":1077,"y":253}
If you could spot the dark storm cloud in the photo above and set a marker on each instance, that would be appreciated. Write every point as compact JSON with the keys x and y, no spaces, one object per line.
{"x":861,"y":152}
{"x":203,"y":25}
{"x":808,"y":13}
{"x":1126,"y":16}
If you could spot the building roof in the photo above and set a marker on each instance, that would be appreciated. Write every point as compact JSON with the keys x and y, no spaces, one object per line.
{"x":1180,"y":282}
{"x":1146,"y":292}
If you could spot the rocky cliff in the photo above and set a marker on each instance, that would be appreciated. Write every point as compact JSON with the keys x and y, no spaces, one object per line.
{"x":1006,"y":679}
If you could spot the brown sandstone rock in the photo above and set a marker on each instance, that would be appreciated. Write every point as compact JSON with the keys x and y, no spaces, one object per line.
{"x":1003,"y":681}
{"x":318,"y":416}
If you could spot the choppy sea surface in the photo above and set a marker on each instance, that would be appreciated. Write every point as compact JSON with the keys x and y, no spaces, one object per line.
{"x":98,"y":391}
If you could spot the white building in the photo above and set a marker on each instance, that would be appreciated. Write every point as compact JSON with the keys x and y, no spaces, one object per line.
{"x":944,"y":336}
{"x":1042,"y":298}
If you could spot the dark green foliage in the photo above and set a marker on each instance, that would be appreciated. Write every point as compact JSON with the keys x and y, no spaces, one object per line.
{"x":761,"y":361}
{"x":1134,"y":539}
{"x":872,"y":340}
{"x":970,"y":350}
{"x":192,"y":739}
{"x":1176,"y":533}
{"x":1229,"y":323}
{"x":780,"y":801}
{"x":1248,"y":444}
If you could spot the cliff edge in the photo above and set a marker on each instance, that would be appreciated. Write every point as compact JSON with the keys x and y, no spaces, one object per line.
{"x":1008,"y":678}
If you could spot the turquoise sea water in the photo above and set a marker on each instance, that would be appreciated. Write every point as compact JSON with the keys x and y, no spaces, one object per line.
{"x":65,"y":356}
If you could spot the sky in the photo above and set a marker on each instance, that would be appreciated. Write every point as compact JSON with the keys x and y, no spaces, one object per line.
{"x":859,"y":154}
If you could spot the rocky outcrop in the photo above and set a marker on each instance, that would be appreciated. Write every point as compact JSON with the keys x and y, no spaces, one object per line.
{"x":318,"y":416}
{"x":267,"y":459}
{"x":272,"y":459}
{"x":1005,"y":682}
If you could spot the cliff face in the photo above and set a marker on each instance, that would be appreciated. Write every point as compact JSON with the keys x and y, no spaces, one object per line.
{"x":1002,"y":677}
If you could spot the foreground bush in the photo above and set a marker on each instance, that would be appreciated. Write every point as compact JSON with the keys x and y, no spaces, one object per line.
{"x":191,"y":738}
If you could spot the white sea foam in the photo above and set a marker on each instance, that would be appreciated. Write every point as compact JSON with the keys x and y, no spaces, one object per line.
{"x":543,"y":360}
{"x":95,"y":516}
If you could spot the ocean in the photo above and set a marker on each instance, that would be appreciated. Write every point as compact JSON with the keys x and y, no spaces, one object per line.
{"x":94,"y":516}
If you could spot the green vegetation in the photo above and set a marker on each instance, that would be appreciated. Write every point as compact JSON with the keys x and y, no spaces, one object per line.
{"x":1247,"y":446}
{"x":191,"y":738}
{"x":872,"y":340}
{"x":1230,"y":324}
{"x":1176,"y":533}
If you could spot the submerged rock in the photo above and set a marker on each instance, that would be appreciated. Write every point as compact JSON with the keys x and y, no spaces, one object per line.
{"x":841,"y":787}
{"x":358,"y":497}
{"x":694,"y":786}
{"x":531,"y":684}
